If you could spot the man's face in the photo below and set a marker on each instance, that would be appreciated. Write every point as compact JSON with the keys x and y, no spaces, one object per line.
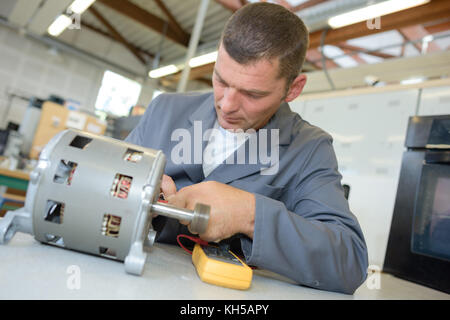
{"x":246,"y":96}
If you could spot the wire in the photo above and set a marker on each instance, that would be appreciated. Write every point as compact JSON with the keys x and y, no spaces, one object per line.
{"x":194,"y":239}
{"x":111,"y":225}
{"x":121,"y":186}
{"x":133,"y":156}
{"x":324,"y":65}
{"x":72,"y":171}
{"x":204,"y":243}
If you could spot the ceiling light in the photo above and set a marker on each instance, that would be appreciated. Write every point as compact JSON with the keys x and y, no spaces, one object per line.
{"x":79,"y":6}
{"x":59,"y":25}
{"x":373,"y":11}
{"x":203,"y":59}
{"x":164,"y":71}
{"x":413,"y":80}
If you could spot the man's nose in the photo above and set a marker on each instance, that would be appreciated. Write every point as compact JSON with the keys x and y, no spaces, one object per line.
{"x":230,"y":100}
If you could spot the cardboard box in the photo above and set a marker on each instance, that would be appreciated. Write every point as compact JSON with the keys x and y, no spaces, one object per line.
{"x":56,"y":118}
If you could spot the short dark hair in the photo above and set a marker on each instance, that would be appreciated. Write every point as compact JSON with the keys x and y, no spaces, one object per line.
{"x":265,"y":30}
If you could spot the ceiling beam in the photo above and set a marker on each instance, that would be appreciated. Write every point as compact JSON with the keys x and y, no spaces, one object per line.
{"x":354,"y":55}
{"x":207,"y":69}
{"x":414,"y":33}
{"x":173,"y":22}
{"x":284,"y":3}
{"x":434,"y":10}
{"x":208,"y":82}
{"x":314,"y":57}
{"x":406,"y":38}
{"x":378,"y":54}
{"x":438,"y":27}
{"x":308,"y":66}
{"x":136,"y":13}
{"x":431,"y":66}
{"x":109,"y":36}
{"x":232,"y":5}
{"x":235,"y":5}
{"x":201,"y":71}
{"x":307,"y":4}
{"x":197,"y":72}
{"x":117,"y":35}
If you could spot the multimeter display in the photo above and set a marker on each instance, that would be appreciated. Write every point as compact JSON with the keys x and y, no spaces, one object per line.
{"x":221,"y":267}
{"x":221,"y":255}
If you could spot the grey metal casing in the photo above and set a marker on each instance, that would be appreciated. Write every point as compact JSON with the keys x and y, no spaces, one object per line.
{"x":88,"y":198}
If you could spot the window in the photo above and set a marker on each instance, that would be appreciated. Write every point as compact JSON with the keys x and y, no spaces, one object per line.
{"x":117,"y":94}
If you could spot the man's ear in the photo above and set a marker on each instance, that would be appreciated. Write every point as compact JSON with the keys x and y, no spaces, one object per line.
{"x":296,"y":88}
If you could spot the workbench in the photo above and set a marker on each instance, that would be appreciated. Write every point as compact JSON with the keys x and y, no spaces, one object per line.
{"x":14,"y":179}
{"x":13,"y":184}
{"x":31,"y":270}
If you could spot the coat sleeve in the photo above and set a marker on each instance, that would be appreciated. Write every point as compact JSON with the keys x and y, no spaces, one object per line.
{"x":316,"y":241}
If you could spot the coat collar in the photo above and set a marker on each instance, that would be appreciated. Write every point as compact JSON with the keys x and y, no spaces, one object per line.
{"x":200,"y":120}
{"x":207,"y":115}
{"x":203,"y":119}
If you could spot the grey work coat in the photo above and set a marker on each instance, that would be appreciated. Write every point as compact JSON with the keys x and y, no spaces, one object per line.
{"x":303,"y":229}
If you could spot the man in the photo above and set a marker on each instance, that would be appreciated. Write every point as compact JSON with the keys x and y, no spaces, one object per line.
{"x":291,"y":216}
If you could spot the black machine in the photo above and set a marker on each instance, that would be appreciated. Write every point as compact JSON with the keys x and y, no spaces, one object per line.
{"x":418,"y":249}
{"x":4,"y":134}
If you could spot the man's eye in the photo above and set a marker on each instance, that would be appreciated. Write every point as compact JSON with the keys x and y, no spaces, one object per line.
{"x":223,"y":84}
{"x":219,"y":81}
{"x":253,"y":96}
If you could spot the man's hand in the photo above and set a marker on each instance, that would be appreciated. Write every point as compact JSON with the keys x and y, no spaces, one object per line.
{"x":168,"y":187}
{"x":232,"y":209}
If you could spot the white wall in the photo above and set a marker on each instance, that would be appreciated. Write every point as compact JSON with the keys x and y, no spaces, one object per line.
{"x":369,"y":133}
{"x":30,"y":68}
{"x":435,"y":101}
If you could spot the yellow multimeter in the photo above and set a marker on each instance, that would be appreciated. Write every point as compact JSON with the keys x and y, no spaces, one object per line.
{"x":221,"y":267}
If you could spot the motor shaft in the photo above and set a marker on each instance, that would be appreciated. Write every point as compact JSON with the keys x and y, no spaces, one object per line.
{"x":198,"y":218}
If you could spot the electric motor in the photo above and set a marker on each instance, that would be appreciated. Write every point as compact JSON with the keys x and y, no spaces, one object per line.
{"x":96,"y":194}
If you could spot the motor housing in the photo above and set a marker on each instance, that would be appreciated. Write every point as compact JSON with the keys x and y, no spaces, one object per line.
{"x":95,"y":194}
